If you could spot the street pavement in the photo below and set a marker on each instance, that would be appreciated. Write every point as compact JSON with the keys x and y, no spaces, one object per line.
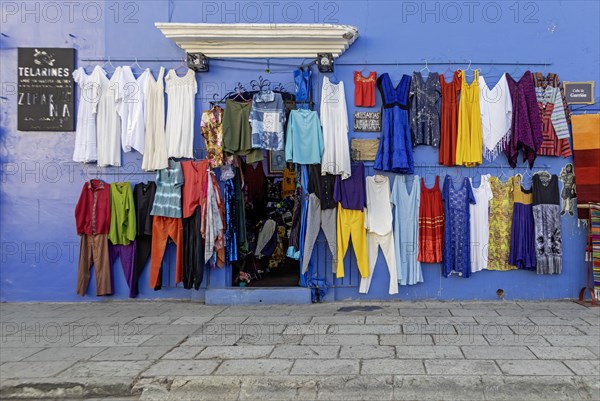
{"x":170,"y":350}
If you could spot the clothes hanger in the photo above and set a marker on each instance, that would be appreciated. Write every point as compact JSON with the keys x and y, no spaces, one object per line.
{"x":365,"y":68}
{"x":425,"y":68}
{"x":136,"y":64}
{"x":449,"y":68}
{"x":110,"y":64}
{"x":516,"y":70}
{"x":182,"y":63}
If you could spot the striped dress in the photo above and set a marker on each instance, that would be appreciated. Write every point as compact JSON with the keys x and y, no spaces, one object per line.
{"x":167,"y":201}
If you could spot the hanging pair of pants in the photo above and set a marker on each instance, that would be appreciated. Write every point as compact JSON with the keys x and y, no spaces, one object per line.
{"x":193,"y":251}
{"x":315,"y":220}
{"x":351,"y":225}
{"x":93,"y":250}
{"x":386,"y":243}
{"x":162,"y":229}
{"x":127,"y":255}
{"x":143,"y":245}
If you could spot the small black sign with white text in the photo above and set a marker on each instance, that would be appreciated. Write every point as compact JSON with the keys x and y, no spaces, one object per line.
{"x":45,"y":99}
{"x":579,"y":92}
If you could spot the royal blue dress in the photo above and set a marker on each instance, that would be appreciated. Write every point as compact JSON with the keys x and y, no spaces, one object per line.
{"x":457,"y":235}
{"x":395,"y":147}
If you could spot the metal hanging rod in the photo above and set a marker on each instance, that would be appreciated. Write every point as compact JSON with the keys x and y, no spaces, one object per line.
{"x":507,"y":167}
{"x":173,"y":60}
{"x":359,"y":63}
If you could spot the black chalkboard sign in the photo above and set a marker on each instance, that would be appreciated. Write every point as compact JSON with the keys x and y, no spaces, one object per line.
{"x":579,"y":92}
{"x":45,"y":83}
{"x":367,"y":121}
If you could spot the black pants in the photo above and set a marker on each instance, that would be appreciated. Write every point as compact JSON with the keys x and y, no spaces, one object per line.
{"x":142,"y":254}
{"x":193,"y":251}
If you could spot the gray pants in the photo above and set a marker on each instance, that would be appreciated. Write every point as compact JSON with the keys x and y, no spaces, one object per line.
{"x":315,"y":220}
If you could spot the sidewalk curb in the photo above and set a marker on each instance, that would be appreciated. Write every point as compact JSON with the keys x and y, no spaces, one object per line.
{"x":54,"y":388}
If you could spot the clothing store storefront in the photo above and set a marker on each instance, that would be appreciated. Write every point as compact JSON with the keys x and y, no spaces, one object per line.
{"x":321,"y":151}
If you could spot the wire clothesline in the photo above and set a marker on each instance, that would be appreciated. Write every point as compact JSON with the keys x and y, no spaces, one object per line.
{"x":375,"y":63}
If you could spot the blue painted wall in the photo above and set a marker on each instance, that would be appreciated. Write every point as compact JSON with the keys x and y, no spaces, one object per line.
{"x":40,"y":184}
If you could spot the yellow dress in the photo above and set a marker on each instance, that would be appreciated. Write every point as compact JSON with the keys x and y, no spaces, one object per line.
{"x":469,"y":141}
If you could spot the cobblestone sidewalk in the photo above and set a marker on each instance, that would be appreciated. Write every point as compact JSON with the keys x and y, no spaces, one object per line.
{"x":161,"y":350}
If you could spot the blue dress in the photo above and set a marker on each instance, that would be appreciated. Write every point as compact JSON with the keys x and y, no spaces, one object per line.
{"x":395,"y":147}
{"x":406,"y":229}
{"x":457,"y":235}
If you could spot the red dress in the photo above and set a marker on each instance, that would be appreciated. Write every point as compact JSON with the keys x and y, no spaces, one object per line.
{"x":364,"y":89}
{"x":449,"y":123}
{"x":431,"y":223}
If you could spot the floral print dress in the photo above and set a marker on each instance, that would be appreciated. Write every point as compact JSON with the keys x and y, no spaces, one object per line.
{"x":501,"y":214}
{"x":211,"y":127}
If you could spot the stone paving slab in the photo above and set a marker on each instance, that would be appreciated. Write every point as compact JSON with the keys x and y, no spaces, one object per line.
{"x":305,"y":351}
{"x":171,"y":350}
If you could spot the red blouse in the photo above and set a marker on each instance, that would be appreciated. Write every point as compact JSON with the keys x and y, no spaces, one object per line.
{"x":364,"y":89}
{"x":195,"y":180}
{"x":92,"y":213}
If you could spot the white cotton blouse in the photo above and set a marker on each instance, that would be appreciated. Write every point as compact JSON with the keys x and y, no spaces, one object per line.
{"x":496,"y":116}
{"x":130,"y":106}
{"x":378,"y":218}
{"x":108,"y":121}
{"x":155,"y":149}
{"x":179,"y":131}
{"x":334,"y":120}
{"x":480,"y":223}
{"x":85,"y":150}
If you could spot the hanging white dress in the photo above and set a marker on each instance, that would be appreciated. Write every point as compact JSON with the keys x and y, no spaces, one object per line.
{"x":480,"y":223}
{"x":108,"y":122}
{"x":334,"y":120}
{"x":181,"y":92}
{"x":496,"y":116}
{"x":130,"y":106}
{"x":85,"y":133}
{"x":155,"y":149}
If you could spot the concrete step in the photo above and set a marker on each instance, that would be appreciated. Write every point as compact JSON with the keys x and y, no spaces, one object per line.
{"x":256,"y":296}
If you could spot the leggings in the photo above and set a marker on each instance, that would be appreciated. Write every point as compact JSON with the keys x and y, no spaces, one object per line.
{"x":193,"y":251}
{"x":162,"y":229}
{"x":351,"y":225}
{"x":315,"y":220}
{"x":386,"y":242}
{"x":93,"y":250}
{"x":127,"y":255}
{"x":143,"y":245}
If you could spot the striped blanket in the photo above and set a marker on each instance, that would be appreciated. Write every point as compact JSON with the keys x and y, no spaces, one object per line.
{"x":595,"y":243}
{"x":586,"y":149}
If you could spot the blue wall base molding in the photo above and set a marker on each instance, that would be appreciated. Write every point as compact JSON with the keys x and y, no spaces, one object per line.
{"x":257,"y":296}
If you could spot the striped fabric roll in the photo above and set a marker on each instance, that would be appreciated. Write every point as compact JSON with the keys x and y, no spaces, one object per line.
{"x":586,"y":149}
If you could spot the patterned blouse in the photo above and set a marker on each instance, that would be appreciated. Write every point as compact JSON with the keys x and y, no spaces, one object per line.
{"x":501,"y":210}
{"x":211,"y":127}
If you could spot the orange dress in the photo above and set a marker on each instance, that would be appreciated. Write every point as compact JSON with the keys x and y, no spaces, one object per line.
{"x":431,"y":223}
{"x":449,"y":117}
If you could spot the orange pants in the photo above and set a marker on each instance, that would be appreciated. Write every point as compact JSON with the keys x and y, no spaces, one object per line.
{"x":162,"y":229}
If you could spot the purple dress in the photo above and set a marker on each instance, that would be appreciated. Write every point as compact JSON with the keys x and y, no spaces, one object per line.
{"x":522,"y":239}
{"x":457,"y":234}
{"x":526,"y":127}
